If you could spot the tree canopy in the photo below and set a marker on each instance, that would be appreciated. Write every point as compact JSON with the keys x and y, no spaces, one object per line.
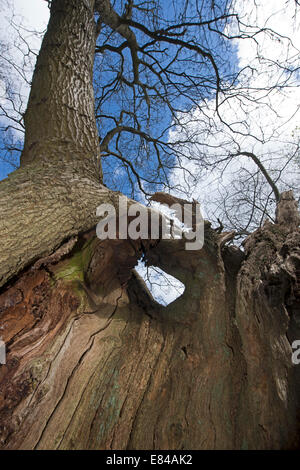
{"x":151,"y":99}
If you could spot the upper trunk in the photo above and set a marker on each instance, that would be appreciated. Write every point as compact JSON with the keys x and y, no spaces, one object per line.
{"x":60,"y":119}
{"x":57,"y":187}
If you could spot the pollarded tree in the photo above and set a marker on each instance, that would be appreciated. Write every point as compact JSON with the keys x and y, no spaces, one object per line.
{"x":92,"y":360}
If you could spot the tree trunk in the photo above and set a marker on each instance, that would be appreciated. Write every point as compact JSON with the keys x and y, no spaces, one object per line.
{"x":93,"y":362}
{"x":60,"y":120}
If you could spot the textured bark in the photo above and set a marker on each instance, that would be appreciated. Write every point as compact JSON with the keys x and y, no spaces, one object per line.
{"x":60,"y":120}
{"x":41,"y":206}
{"x":93,"y":362}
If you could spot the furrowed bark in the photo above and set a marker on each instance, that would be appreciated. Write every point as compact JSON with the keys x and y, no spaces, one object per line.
{"x":41,"y":206}
{"x":60,"y":120}
{"x":37,"y":215}
{"x":55,"y":193}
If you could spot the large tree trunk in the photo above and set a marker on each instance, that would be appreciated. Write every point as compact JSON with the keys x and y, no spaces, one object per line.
{"x":93,"y":361}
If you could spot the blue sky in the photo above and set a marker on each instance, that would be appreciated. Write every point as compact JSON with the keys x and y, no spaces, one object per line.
{"x":33,"y":14}
{"x":26,"y":16}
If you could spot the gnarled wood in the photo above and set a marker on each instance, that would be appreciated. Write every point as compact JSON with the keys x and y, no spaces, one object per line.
{"x":97,"y":364}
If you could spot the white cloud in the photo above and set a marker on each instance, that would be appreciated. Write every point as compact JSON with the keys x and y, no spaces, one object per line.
{"x":22,"y":24}
{"x":2,"y":91}
{"x":266,"y":122}
{"x":163,"y":287}
{"x":30,"y":14}
{"x":277,"y":16}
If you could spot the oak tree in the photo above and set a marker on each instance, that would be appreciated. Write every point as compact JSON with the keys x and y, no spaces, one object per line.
{"x":93,"y":362}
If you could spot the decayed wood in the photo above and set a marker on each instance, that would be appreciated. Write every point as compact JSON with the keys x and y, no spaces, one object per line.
{"x":287,"y":212}
{"x":95,"y":363}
